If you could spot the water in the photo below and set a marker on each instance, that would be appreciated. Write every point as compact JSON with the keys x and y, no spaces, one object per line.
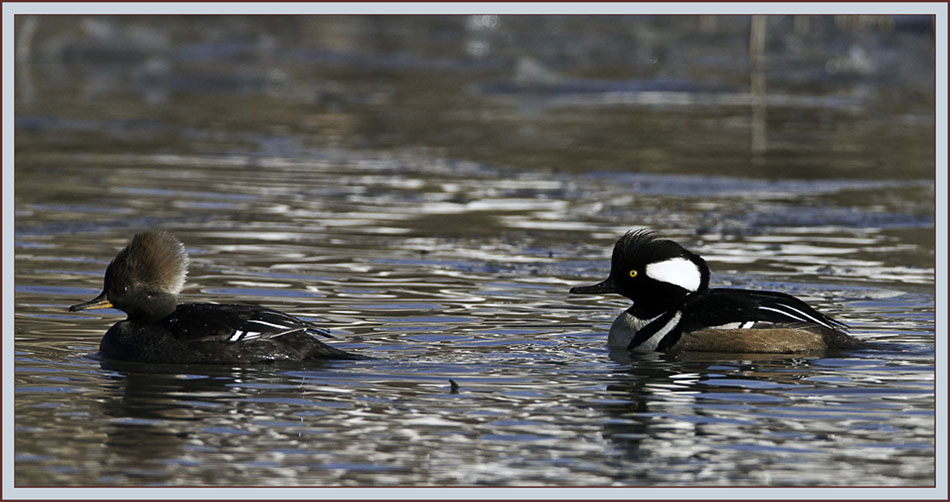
{"x":429,"y":189}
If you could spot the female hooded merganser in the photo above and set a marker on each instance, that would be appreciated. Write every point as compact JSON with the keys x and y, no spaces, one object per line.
{"x":674,"y":309}
{"x":144,"y":280}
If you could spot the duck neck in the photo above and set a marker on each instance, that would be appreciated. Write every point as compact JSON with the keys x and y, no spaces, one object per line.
{"x":664,"y":299}
{"x":156,"y":306}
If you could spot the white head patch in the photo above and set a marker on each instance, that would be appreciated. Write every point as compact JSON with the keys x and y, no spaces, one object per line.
{"x":678,"y":271}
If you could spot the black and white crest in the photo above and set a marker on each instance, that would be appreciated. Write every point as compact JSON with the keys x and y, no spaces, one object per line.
{"x":659,"y":259}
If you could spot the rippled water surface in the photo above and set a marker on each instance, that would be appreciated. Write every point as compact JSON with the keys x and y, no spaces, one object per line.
{"x":429,"y":189}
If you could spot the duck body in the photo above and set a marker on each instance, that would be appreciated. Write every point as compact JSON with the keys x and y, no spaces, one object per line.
{"x":674,"y":309}
{"x":144,"y":280}
{"x":207,"y":333}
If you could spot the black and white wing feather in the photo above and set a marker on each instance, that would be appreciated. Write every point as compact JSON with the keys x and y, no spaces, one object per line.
{"x":206,"y":322}
{"x":723,"y":306}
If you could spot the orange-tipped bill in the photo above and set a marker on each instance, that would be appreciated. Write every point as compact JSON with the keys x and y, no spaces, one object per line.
{"x":99,"y":302}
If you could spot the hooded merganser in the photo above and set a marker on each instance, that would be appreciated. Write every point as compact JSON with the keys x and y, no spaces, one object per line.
{"x":674,"y":309}
{"x":144,"y":280}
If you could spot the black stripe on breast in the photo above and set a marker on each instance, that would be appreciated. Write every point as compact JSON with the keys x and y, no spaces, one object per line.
{"x":644,"y":333}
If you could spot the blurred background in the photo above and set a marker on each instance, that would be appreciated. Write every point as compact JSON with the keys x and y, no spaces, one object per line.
{"x":429,"y":188}
{"x":733,"y":95}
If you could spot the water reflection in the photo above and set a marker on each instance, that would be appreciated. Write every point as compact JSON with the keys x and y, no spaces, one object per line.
{"x":691,"y":419}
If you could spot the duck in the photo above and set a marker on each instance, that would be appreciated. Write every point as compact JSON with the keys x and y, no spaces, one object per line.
{"x":144,"y":280}
{"x":675,"y":310}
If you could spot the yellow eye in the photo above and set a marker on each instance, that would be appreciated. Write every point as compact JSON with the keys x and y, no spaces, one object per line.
{"x":633,"y":273}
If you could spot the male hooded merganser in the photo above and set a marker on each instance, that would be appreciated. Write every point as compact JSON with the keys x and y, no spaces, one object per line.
{"x":674,"y":309}
{"x":144,"y":280}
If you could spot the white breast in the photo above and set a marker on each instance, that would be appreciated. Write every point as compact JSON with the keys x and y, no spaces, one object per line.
{"x":625,"y":328}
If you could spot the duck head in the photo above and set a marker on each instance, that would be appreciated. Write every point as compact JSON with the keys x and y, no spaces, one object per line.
{"x":144,"y":279}
{"x":656,"y":274}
